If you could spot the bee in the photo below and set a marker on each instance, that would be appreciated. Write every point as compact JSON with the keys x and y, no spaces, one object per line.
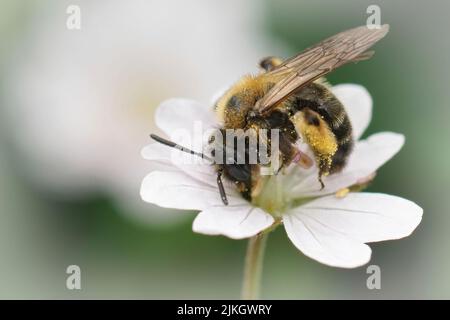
{"x":293,"y":97}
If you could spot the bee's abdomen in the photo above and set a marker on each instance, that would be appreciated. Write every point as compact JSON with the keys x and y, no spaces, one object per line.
{"x":340,"y":157}
{"x":336,"y":117}
{"x":318,"y":98}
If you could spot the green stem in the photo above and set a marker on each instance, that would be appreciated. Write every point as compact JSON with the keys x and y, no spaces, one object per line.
{"x":253,"y":266}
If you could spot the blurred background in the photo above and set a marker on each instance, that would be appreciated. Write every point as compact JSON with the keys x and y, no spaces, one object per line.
{"x":76,"y":107}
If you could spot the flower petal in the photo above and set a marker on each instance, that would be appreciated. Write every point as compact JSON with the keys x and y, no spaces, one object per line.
{"x":177,"y":190}
{"x":160,"y":157}
{"x":358,"y":104}
{"x":183,"y":120}
{"x":165,"y":158}
{"x":366,"y":217}
{"x":323,"y":244}
{"x":219,"y":93}
{"x":236,"y":222}
{"x":366,"y":158}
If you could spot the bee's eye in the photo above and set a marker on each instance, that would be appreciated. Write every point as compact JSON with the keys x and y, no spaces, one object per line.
{"x":234,"y":102}
{"x":239,"y":172}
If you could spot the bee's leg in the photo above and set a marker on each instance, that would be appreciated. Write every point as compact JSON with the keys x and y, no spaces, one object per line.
{"x":302,"y":159}
{"x":257,"y":182}
{"x":223,"y":195}
{"x":270,"y":63}
{"x":291,"y":154}
{"x":286,"y":151}
{"x":318,"y":135}
{"x":319,"y":177}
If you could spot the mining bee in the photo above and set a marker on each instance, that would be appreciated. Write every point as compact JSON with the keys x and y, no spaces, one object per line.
{"x":293,"y":97}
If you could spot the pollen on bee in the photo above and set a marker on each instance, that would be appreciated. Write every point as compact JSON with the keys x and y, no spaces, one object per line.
{"x":319,"y":137}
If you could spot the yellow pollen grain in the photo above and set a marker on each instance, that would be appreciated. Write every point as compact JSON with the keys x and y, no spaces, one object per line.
{"x":342,"y":192}
{"x":320,"y":138}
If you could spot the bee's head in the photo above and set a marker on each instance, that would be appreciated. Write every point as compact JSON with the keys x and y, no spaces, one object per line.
{"x":238,"y":110}
{"x":234,"y":106}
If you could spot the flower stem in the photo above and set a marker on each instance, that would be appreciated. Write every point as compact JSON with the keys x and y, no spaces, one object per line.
{"x":253,"y":266}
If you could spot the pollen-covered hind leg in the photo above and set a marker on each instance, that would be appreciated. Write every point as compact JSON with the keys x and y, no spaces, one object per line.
{"x":324,"y":170}
{"x":270,"y":63}
{"x":319,"y":177}
{"x":318,"y":135}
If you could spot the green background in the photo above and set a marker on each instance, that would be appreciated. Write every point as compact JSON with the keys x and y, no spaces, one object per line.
{"x":41,"y":234}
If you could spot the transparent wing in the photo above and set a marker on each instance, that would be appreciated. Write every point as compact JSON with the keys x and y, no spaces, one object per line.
{"x":318,"y":60}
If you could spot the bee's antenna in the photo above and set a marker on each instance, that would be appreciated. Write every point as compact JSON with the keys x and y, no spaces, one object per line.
{"x":177,"y":146}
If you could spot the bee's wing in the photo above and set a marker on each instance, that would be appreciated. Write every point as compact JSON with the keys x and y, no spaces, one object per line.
{"x":318,"y":60}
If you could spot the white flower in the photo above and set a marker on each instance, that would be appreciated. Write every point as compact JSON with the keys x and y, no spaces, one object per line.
{"x":327,"y":228}
{"x":82,"y":98}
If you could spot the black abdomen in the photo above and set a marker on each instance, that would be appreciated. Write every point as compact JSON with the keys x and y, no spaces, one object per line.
{"x":318,"y":98}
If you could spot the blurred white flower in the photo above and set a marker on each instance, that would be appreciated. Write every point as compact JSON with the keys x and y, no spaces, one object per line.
{"x":332,"y":230}
{"x":81,"y":102}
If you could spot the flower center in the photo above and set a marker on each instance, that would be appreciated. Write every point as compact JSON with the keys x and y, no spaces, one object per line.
{"x":274,"y":197}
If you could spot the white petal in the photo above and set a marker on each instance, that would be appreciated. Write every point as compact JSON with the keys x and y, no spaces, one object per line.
{"x":323,"y":244}
{"x":180,"y":191}
{"x":236,"y":222}
{"x":219,"y":94}
{"x":367,"y":156}
{"x":160,"y":157}
{"x":184,"y":121}
{"x":358,"y":104}
{"x":366,"y":217}
{"x":168,"y":159}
